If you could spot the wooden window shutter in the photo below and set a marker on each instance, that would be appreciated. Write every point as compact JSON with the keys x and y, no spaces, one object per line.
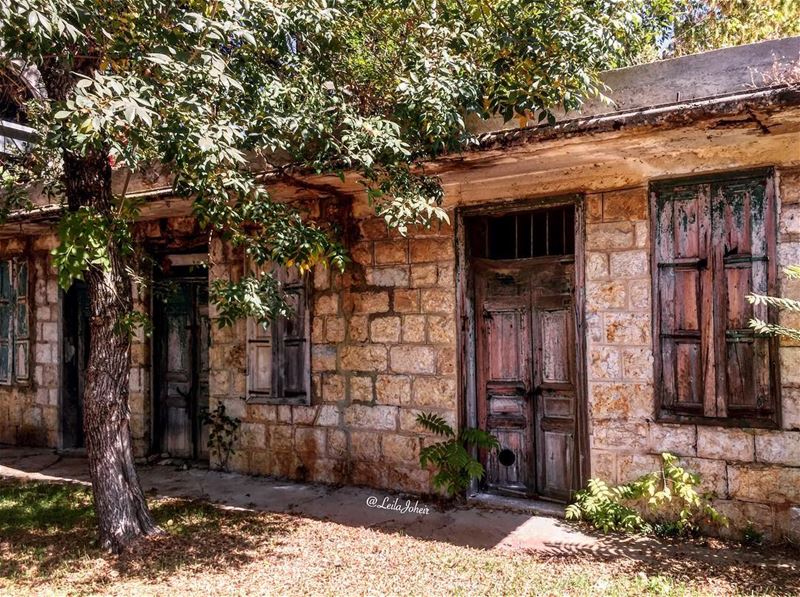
{"x":6,"y":323}
{"x":683,"y":292}
{"x":744,"y":249}
{"x":291,"y":347}
{"x":279,"y":353}
{"x":714,"y":243}
{"x":21,"y":322}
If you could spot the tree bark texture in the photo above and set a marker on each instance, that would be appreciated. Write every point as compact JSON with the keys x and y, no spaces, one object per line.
{"x":120,"y":505}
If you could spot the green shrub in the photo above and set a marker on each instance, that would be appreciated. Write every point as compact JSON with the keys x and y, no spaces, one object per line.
{"x":452,"y":457}
{"x":664,"y":502}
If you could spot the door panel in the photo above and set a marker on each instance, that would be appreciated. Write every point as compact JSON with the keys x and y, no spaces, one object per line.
{"x":75,"y":347}
{"x":181,"y":364}
{"x":526,"y":373}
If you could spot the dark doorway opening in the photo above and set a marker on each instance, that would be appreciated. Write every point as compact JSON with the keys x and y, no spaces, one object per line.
{"x":75,"y":355}
{"x":180,"y":362}
{"x":521,"y":287}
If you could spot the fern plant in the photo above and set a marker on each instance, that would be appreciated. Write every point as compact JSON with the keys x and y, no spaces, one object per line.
{"x":657,"y":494}
{"x":452,"y":457}
{"x":782,"y":304}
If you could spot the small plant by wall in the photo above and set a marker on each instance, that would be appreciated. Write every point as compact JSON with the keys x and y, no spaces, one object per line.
{"x":664,"y":502}
{"x":222,"y":434}
{"x":452,"y":457}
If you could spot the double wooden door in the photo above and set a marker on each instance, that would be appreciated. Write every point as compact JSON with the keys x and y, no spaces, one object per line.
{"x":526,"y":374}
{"x":181,"y":342}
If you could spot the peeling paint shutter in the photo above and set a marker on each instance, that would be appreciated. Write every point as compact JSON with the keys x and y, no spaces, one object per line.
{"x":712,"y":248}
{"x":684,"y":287}
{"x":6,"y":323}
{"x":259,"y":359}
{"x":21,"y":323}
{"x":742,"y":211}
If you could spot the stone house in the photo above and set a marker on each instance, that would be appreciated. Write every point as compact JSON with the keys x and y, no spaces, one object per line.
{"x":586,"y":304}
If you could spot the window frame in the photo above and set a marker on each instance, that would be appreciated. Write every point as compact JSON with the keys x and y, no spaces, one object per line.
{"x":274,"y":396}
{"x":663,"y":413}
{"x":17,"y":343}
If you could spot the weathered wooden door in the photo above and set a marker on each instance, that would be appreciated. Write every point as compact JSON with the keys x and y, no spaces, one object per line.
{"x":181,"y":367}
{"x":75,"y":354}
{"x":525,"y":352}
{"x":526,"y":377}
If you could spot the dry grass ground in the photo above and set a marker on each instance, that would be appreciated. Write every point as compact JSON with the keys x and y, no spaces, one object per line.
{"x":48,"y":547}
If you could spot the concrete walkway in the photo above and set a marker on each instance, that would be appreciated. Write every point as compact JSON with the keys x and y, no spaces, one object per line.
{"x":474,"y":525}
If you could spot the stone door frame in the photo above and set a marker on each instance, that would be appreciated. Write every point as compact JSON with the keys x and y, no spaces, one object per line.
{"x":465,"y":316}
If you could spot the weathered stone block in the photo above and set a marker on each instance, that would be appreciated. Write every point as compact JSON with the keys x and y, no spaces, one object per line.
{"x":680,"y":440}
{"x":441,"y":329}
{"x":360,"y":416}
{"x":764,"y":483}
{"x":431,"y":249}
{"x":632,"y":466}
{"x":742,"y":515}
{"x":333,"y":387}
{"x":395,"y":277}
{"x":626,"y":401}
{"x":605,"y":237}
{"x":406,"y":301}
{"x":361,"y":253}
{"x":323,"y":357}
{"x":334,"y":329}
{"x":438,"y":301}
{"x":407,"y":418}
{"x":434,"y":391}
{"x":713,"y":474}
{"x":619,"y":435}
{"x":596,"y":266}
{"x":253,"y":435}
{"x":391,"y":251}
{"x":629,"y":204}
{"x":424,"y":275}
{"x":310,"y":441}
{"x":361,"y":389}
{"x":304,"y":415}
{"x":400,"y":448}
{"x":328,"y":416}
{"x":413,"y":359}
{"x":358,"y":328}
{"x":393,"y":389}
{"x":280,"y":437}
{"x":606,"y":295}
{"x":778,"y":447}
{"x":385,"y":329}
{"x":413,"y":328}
{"x":627,"y":328}
{"x":630,"y":264}
{"x":727,"y":444}
{"x":326,"y":304}
{"x":637,"y":364}
{"x":604,"y":363}
{"x":370,"y":357}
{"x":604,"y":466}
{"x":365,"y":445}
{"x":370,"y":302}
{"x":337,"y":443}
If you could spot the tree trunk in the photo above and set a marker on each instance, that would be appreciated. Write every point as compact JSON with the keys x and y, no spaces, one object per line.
{"x":120,"y":505}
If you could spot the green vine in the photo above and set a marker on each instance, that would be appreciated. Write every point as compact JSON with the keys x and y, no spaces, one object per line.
{"x":664,"y":502}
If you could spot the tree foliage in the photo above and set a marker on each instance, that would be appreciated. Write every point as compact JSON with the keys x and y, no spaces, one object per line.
{"x":227,"y":92}
{"x":788,"y":305}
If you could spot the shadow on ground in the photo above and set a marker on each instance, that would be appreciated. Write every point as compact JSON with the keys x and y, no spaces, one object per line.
{"x":54,"y":525}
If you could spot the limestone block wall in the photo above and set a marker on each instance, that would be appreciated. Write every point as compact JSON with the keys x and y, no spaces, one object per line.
{"x":29,"y":412}
{"x":383,"y":350}
{"x":755,"y":474}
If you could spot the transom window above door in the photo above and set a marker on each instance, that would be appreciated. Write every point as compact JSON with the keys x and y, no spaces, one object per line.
{"x":713,"y":244}
{"x":522,"y":235}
